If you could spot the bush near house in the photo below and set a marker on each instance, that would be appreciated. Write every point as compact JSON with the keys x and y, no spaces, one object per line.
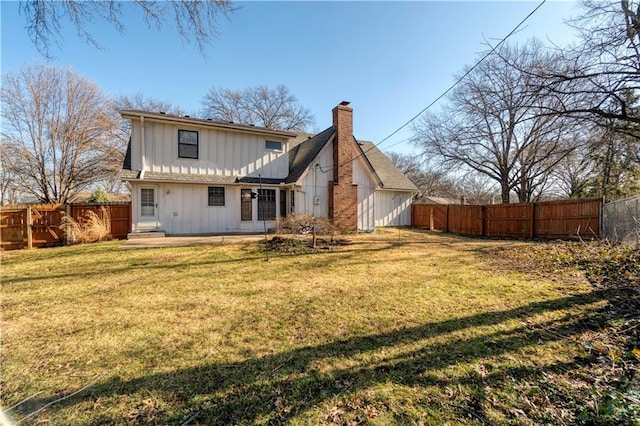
{"x":397,"y":327}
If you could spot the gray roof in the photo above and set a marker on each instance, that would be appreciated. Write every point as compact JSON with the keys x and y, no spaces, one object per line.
{"x":389,"y":174}
{"x":193,"y":178}
{"x":301,"y":156}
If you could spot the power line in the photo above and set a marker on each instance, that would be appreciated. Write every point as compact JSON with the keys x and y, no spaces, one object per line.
{"x":451,"y":87}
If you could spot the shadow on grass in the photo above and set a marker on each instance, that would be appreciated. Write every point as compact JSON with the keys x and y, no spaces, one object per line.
{"x":278,"y":387}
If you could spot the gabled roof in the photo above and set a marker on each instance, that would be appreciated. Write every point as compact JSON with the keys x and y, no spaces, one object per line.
{"x":301,"y":156}
{"x":389,"y":174}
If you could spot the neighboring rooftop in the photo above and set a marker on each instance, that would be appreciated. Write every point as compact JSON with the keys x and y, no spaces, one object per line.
{"x":429,"y":199}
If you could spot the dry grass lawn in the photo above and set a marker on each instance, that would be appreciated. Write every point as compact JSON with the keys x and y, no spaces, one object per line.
{"x":399,"y":327}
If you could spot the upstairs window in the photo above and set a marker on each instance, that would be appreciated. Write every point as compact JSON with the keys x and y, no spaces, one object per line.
{"x":187,"y":144}
{"x":216,"y":196}
{"x":273,"y":146}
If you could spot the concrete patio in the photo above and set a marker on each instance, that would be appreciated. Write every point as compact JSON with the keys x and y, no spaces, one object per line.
{"x":182,"y":241}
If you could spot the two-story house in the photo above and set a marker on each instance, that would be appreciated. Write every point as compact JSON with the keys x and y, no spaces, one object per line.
{"x":199,"y":176}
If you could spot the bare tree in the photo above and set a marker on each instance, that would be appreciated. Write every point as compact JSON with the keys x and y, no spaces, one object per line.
{"x":436,"y":182}
{"x":146,"y":103}
{"x":59,"y":132}
{"x":195,"y":21}
{"x":602,"y":73}
{"x":9,"y":187}
{"x":615,"y":159}
{"x":272,"y":108}
{"x":430,"y":181}
{"x":494,"y":125}
{"x":477,"y":189}
{"x":572,"y":175}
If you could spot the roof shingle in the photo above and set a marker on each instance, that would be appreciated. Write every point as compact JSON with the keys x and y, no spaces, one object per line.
{"x":389,"y":174}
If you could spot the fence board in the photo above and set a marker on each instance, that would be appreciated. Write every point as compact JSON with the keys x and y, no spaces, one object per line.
{"x":551,"y":220}
{"x":508,"y":221}
{"x":466,"y":220}
{"x":572,"y":218}
{"x":47,"y":229}
{"x":13,"y":229}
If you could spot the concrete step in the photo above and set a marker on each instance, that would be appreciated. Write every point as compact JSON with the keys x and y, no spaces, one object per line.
{"x":145,"y":234}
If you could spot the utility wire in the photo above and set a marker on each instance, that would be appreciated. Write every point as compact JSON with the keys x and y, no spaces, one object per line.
{"x":443,"y":94}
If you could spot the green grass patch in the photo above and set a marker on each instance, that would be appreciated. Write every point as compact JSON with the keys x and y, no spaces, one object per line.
{"x":397,"y":327}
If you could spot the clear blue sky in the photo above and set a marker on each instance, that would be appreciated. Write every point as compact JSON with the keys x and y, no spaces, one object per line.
{"x":390,"y":59}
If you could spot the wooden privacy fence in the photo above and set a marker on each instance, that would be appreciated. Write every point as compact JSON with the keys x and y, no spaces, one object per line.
{"x":553,"y":220}
{"x":41,"y":225}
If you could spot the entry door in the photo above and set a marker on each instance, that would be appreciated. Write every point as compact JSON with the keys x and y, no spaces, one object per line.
{"x":148,"y":208}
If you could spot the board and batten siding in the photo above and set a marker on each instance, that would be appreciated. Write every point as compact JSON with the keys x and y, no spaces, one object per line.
{"x":314,"y":185}
{"x":220,"y":152}
{"x":366,"y":198}
{"x":393,"y":208}
{"x":313,"y":193}
{"x":182,"y":209}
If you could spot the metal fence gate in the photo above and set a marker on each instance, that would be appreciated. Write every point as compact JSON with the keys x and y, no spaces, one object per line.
{"x":621,"y":220}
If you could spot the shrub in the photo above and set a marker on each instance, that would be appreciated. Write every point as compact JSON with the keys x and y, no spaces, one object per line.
{"x":306,"y":224}
{"x":91,"y":228}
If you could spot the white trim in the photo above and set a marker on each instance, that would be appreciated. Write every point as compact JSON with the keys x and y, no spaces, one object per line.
{"x":142,"y":144}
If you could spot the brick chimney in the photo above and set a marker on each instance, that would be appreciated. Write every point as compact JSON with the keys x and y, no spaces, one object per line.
{"x":343,"y":193}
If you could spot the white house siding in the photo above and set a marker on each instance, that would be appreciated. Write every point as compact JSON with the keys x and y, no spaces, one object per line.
{"x":393,"y":208}
{"x":220,"y":152}
{"x":314,"y":185}
{"x":366,"y":199}
{"x":183,"y":209}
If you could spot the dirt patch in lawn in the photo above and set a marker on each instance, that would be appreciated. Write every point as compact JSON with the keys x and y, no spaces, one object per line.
{"x":301,"y":245}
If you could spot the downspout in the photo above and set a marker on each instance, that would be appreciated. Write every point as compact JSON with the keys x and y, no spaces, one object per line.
{"x":315,"y":189}
{"x":142,"y":147}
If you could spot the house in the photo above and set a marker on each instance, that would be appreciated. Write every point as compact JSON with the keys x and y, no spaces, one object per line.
{"x":200,"y":176}
{"x":430,"y":199}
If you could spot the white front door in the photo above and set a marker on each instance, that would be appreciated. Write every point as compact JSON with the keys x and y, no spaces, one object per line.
{"x":148,"y":208}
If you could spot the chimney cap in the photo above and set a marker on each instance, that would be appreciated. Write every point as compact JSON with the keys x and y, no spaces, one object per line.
{"x":345,"y":103}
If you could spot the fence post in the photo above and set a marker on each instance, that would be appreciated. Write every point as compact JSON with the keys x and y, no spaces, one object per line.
{"x":29,"y":229}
